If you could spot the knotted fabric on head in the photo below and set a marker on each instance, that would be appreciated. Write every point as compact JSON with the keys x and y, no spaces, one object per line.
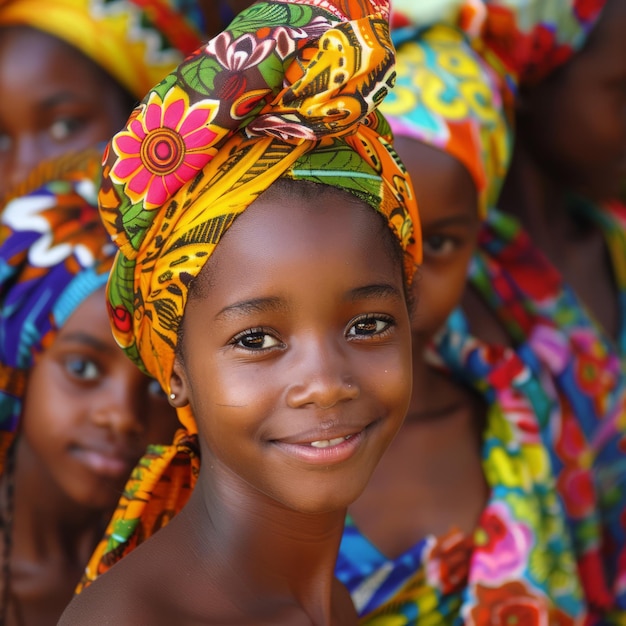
{"x":137,"y":42}
{"x":448,"y":97}
{"x":54,"y":253}
{"x":289,"y":89}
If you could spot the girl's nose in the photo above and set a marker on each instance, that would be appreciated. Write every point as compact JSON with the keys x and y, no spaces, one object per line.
{"x":322,"y":378}
{"x":119,"y":413}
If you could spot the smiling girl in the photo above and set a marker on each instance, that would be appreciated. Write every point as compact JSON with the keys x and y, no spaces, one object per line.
{"x":268,"y":236}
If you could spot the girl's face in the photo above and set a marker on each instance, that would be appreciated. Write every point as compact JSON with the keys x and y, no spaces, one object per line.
{"x":54,"y":101}
{"x":296,"y":353}
{"x":448,"y":206}
{"x":89,"y":412}
{"x":574,"y":122}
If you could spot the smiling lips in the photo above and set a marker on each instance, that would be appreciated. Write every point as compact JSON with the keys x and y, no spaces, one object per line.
{"x":108,"y":463}
{"x":324,"y":451}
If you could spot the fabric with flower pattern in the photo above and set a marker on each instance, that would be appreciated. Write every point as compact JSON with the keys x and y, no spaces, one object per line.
{"x":584,"y":370}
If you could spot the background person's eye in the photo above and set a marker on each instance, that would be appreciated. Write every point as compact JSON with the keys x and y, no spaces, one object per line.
{"x":82,"y":368}
{"x":439,"y":244}
{"x":63,"y":128}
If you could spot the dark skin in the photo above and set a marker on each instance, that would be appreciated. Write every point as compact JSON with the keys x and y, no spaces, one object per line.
{"x":279,"y":350}
{"x":60,"y":102}
{"x":84,"y":426}
{"x":431,"y":480}
{"x":571,"y":137}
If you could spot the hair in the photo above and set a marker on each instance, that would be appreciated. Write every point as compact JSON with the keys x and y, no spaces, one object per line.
{"x":292,"y":189}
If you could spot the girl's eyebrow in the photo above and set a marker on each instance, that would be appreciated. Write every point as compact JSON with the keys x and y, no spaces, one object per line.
{"x":275,"y":304}
{"x":85,"y":339}
{"x":368,"y":292}
{"x":254,"y":305}
{"x":58,"y":99}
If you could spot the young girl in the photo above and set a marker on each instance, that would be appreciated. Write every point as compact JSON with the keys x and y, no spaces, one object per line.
{"x":267,"y":236}
{"x":75,"y":415}
{"x":76,"y":68}
{"x":462,"y":521}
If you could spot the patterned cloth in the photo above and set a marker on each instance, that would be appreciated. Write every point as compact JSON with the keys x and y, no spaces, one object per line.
{"x":136,"y":41}
{"x":54,"y":253}
{"x":518,"y":566}
{"x":553,"y":332}
{"x":447,"y":97}
{"x":289,"y":89}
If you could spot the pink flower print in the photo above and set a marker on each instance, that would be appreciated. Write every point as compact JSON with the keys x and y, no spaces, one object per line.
{"x":239,"y":54}
{"x":550,"y":344}
{"x":502,"y":547}
{"x":165,"y":144}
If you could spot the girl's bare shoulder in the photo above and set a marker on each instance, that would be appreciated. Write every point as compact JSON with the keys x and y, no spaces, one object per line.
{"x":139,"y":589}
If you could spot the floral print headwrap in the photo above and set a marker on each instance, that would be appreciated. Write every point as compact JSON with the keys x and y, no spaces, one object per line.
{"x":448,"y":97}
{"x":289,"y":89}
{"x":137,"y":42}
{"x":54,"y":253}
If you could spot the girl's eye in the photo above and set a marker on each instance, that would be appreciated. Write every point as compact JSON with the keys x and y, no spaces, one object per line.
{"x":439,"y":245}
{"x":255,"y":339}
{"x":369,"y":326}
{"x":62,"y":129}
{"x":81,"y":368}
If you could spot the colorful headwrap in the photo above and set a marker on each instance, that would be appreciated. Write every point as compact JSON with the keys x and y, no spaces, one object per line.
{"x":137,"y":42}
{"x":448,"y":97}
{"x":290,"y":89}
{"x":532,"y":38}
{"x":54,"y":253}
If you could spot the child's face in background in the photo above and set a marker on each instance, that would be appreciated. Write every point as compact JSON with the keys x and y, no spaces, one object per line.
{"x":296,"y":353}
{"x":89,"y":412}
{"x":574,"y":122}
{"x":448,"y":205}
{"x":54,"y":101}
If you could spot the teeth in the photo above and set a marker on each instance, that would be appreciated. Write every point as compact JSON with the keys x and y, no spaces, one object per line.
{"x":326,"y":443}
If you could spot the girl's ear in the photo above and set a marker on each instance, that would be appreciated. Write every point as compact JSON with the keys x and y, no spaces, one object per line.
{"x":179,"y":386}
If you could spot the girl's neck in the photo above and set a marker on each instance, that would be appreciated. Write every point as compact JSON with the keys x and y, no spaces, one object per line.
{"x":282,"y":556}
